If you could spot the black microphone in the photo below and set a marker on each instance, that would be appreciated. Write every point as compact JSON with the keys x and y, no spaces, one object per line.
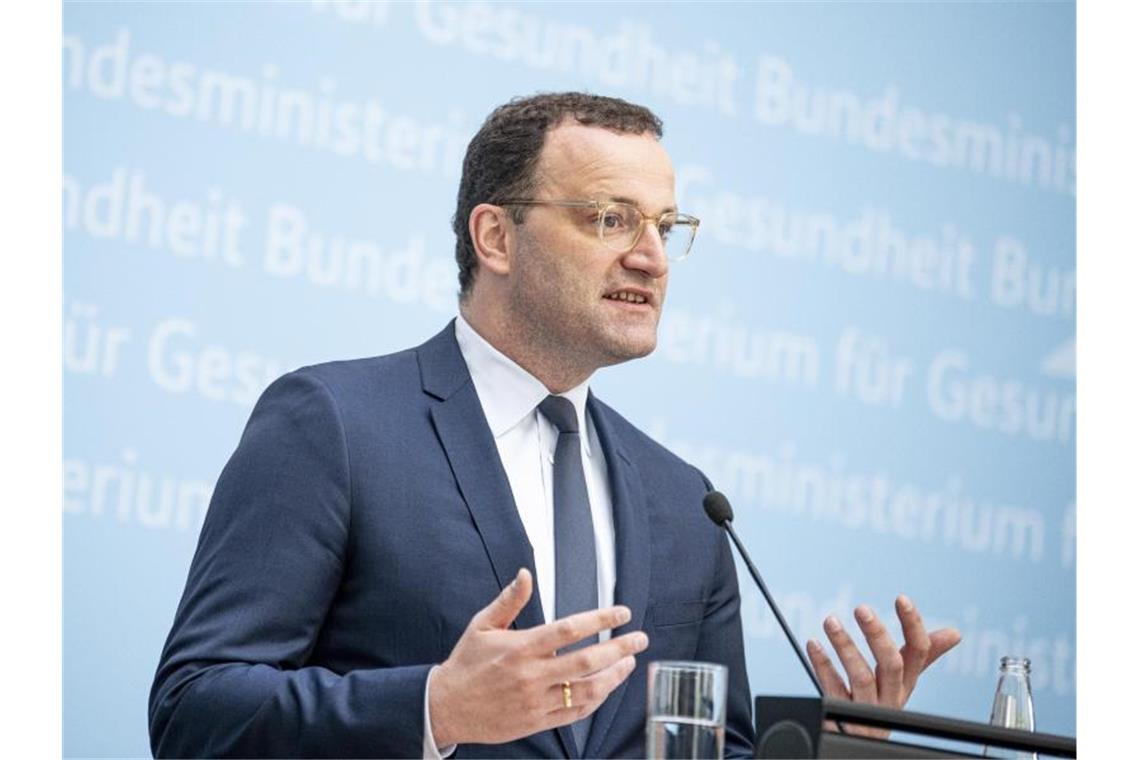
{"x":720,"y":512}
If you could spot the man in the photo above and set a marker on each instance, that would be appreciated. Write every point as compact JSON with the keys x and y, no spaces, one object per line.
{"x":456,"y":548}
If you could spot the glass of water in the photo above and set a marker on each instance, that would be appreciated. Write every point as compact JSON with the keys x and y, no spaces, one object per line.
{"x":685,"y":713}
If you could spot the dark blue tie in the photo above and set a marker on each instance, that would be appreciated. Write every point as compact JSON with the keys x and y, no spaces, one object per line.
{"x":575,"y":559}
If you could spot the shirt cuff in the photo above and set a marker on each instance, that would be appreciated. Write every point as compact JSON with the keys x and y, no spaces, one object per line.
{"x":432,"y":752}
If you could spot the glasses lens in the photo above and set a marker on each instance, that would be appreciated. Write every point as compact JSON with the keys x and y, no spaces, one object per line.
{"x":618,"y":225}
{"x":677,"y":232}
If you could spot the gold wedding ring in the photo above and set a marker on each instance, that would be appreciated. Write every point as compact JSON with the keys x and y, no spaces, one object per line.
{"x":566,"y":699}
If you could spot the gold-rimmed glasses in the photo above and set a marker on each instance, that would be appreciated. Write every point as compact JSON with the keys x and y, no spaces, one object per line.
{"x":620,"y":225}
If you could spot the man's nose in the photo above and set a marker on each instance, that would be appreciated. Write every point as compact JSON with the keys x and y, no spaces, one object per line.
{"x":648,"y":255}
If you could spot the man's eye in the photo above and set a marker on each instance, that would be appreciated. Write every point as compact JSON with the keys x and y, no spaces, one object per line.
{"x":664,"y":229}
{"x":612,"y":221}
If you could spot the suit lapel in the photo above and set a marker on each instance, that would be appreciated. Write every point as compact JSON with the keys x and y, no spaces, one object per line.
{"x":470,"y":448}
{"x":483,"y":483}
{"x":631,"y":542}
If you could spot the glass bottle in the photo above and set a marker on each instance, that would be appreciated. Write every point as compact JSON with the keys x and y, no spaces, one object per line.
{"x":1013,"y":704}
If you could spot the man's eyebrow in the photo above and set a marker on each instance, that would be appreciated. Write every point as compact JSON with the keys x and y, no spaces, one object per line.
{"x":635,"y":204}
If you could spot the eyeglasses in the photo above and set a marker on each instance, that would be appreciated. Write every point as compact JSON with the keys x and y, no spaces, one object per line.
{"x":620,"y":225}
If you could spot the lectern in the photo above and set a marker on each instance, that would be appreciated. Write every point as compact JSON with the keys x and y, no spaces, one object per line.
{"x":792,"y":727}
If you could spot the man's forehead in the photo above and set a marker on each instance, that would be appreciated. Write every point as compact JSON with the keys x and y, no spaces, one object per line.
{"x":603,"y":159}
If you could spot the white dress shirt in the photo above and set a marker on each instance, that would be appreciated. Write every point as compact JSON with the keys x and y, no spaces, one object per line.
{"x":526,"y":441}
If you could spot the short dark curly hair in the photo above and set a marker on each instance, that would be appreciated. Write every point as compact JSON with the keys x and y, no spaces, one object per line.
{"x":503,"y":155}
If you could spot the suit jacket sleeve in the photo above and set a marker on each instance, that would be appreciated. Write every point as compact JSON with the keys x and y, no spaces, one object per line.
{"x":722,"y":641}
{"x":233,"y":678}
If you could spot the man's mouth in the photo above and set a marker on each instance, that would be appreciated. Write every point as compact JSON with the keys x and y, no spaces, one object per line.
{"x":627,"y":296}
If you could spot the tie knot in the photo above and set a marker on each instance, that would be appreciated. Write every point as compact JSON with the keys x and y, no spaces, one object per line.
{"x":560,"y":412}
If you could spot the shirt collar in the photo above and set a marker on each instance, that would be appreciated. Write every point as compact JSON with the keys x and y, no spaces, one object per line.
{"x":507,"y":392}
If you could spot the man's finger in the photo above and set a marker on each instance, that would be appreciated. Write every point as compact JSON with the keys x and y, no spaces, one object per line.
{"x":505,"y":607}
{"x":916,"y":650}
{"x":829,"y":678}
{"x":597,"y":657}
{"x":587,"y":694}
{"x":549,"y":638}
{"x":941,"y":642}
{"x":859,"y":675}
{"x":888,"y":660}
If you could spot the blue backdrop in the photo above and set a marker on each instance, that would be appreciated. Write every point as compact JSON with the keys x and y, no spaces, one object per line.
{"x":871,"y":349}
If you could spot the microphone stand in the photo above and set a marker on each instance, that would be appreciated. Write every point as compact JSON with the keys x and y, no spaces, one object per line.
{"x":772,"y":606}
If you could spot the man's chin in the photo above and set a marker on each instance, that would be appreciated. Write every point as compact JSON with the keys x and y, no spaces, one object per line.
{"x":627,"y":349}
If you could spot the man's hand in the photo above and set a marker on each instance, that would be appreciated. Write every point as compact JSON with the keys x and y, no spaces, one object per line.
{"x":896,"y":670}
{"x":499,"y":685}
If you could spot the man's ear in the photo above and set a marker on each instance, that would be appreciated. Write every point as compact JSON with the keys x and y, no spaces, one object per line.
{"x":493,"y":236}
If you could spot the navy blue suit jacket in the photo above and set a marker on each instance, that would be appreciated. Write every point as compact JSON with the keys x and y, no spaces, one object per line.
{"x":363,"y":519}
